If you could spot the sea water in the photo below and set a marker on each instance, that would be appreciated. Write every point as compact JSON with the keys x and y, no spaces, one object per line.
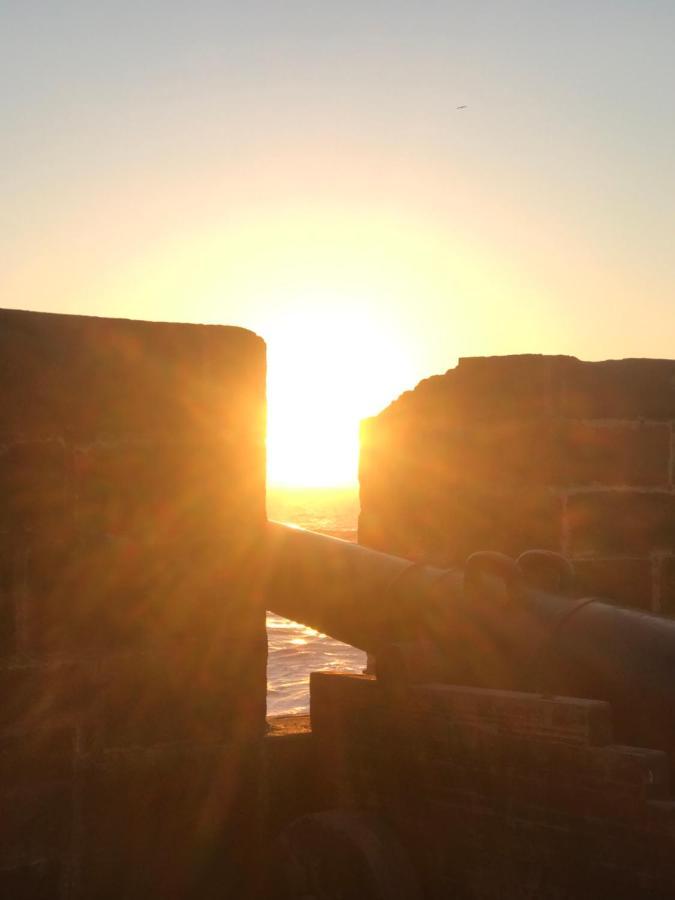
{"x":295,"y":650}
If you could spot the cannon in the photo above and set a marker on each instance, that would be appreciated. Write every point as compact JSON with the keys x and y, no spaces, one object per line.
{"x":498,"y":623}
{"x":516,"y":741}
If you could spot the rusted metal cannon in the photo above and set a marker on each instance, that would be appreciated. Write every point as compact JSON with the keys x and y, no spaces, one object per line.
{"x":498,"y":623}
{"x":491,"y":755}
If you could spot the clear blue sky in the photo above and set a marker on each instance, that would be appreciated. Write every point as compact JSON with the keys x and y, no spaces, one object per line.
{"x":237,"y":161}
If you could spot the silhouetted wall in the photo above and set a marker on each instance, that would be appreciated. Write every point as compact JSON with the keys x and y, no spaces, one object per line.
{"x":517,"y":452}
{"x":132,"y":668}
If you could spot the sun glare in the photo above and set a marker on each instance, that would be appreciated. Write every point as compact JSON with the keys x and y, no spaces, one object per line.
{"x":329,"y":365}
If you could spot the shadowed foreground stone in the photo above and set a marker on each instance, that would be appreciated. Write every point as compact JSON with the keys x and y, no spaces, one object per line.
{"x":132,"y":662}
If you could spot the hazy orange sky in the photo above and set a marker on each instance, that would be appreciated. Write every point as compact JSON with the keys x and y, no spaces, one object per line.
{"x":301,"y":169}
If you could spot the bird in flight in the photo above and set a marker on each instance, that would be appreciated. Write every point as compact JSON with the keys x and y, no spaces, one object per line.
{"x":463,"y":107}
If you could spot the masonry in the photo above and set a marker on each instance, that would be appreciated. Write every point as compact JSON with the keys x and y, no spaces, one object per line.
{"x":134,"y":759}
{"x":517,"y":452}
{"x":132,"y":664}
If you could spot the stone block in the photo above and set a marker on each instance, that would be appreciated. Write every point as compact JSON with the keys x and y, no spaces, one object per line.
{"x":618,"y":389}
{"x":67,"y":376}
{"x":8,"y":586}
{"x":235,"y":384}
{"x":171,"y":823}
{"x":170,"y":489}
{"x":86,"y":595}
{"x":507,"y":387}
{"x":39,"y":881}
{"x":560,"y":719}
{"x":33,"y":698}
{"x":467,"y":519}
{"x":37,"y":757}
{"x":622,"y":455}
{"x":621,"y":523}
{"x":291,"y":767}
{"x":509,"y":452}
{"x":33,"y":367}
{"x":34,"y":488}
{"x":626,"y":581}
{"x":35,"y":824}
{"x":190,"y":691}
{"x":434,"y":461}
{"x":164,"y":362}
{"x":331,"y":692}
{"x":542,"y":772}
{"x":109,"y":592}
{"x":509,"y":521}
{"x":37,"y":801}
{"x":667,"y":585}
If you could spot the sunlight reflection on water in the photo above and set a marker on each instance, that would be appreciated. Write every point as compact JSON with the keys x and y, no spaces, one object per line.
{"x":294,"y":652}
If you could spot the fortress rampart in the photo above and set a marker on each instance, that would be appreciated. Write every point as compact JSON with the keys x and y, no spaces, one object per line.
{"x":514,"y":452}
{"x":135,"y":567}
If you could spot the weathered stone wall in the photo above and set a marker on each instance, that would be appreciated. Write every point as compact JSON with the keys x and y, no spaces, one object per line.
{"x":132,"y":663}
{"x":519,"y":452}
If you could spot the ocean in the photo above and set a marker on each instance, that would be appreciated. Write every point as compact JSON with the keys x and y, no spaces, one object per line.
{"x":295,"y":650}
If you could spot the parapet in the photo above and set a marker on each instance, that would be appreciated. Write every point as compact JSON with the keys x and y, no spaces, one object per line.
{"x":132,"y":666}
{"x":515,"y":452}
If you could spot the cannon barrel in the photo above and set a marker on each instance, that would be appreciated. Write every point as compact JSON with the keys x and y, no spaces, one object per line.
{"x":485,"y":626}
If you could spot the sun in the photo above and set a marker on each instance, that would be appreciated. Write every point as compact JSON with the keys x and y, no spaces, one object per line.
{"x":305,"y":450}
{"x":330,"y":364}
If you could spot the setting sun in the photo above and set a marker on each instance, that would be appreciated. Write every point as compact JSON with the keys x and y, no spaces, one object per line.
{"x":329,"y":366}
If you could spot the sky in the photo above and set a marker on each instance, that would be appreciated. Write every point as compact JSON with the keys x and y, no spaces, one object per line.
{"x":302,"y":169}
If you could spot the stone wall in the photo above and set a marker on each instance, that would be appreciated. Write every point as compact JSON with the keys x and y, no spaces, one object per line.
{"x":519,"y":452}
{"x":132,"y":662}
